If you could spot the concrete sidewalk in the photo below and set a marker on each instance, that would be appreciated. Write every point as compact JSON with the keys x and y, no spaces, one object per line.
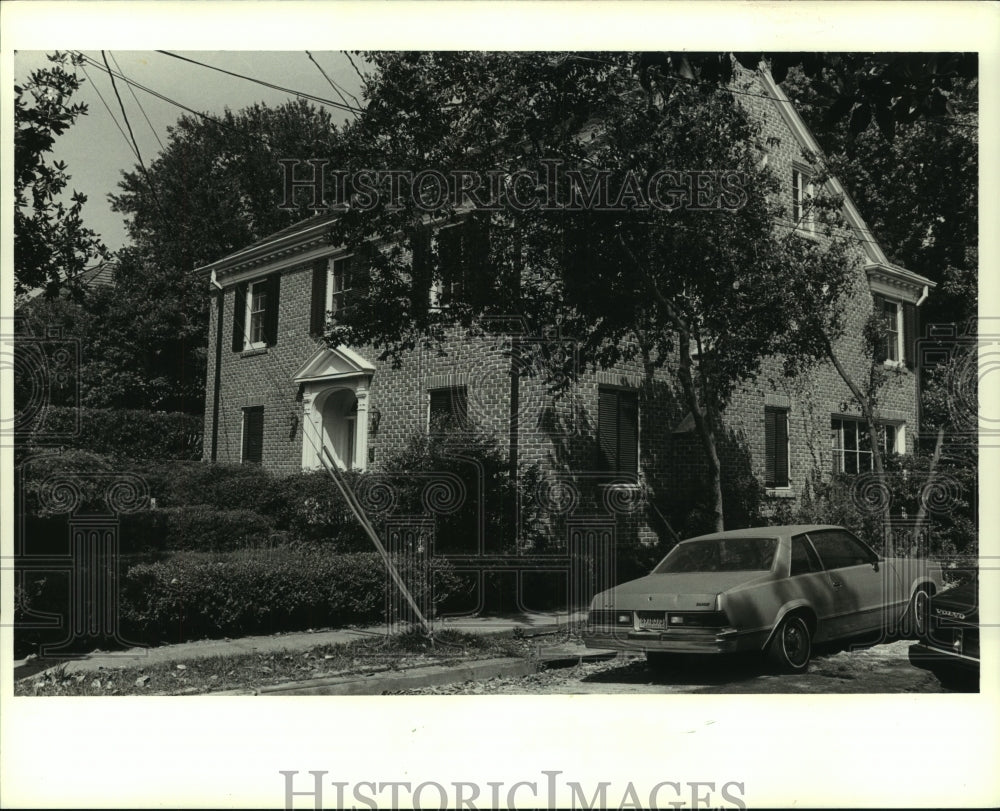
{"x":527,"y":624}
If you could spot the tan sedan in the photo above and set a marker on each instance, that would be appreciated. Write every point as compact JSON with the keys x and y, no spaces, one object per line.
{"x":770,"y":589}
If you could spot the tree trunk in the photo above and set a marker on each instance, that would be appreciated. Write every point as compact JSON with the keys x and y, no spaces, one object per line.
{"x":706,"y":431}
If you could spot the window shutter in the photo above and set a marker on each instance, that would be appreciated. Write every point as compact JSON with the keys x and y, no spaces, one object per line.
{"x":239,"y":317}
{"x":781,"y":449}
{"x":253,"y":435}
{"x":911,"y":331}
{"x":449,"y":245}
{"x":770,"y":440}
{"x":421,"y":272}
{"x":628,"y":432}
{"x":317,"y":312}
{"x":477,"y":276}
{"x":271,"y":316}
{"x":607,"y":428}
{"x":880,"y":353}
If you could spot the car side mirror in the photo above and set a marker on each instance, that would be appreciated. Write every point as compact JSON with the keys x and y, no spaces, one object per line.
{"x":875,"y":564}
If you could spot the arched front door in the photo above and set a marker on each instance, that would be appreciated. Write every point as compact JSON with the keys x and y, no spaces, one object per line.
{"x":339,"y":411}
{"x":335,"y":387}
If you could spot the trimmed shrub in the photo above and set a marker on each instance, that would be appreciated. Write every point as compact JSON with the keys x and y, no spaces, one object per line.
{"x":194,"y":595}
{"x":125,"y":433}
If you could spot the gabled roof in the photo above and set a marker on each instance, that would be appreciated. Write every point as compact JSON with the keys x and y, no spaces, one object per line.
{"x":878,"y":262}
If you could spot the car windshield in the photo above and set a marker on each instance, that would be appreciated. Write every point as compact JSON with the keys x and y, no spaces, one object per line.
{"x":720,"y":555}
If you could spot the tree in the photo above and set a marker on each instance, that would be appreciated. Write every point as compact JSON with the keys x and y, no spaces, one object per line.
{"x":51,"y":244}
{"x":684,"y":285}
{"x":215,"y":188}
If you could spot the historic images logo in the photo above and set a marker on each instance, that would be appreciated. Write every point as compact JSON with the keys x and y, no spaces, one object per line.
{"x":554,"y":188}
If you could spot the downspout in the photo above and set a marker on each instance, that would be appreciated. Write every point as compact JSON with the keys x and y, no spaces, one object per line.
{"x":221,"y":298}
{"x":919,"y":383}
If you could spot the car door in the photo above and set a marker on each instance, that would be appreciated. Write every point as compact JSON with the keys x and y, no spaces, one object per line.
{"x":807,"y":580}
{"x":857,"y":581}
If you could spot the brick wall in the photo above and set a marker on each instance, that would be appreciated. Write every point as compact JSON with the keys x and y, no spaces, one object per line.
{"x":557,"y":434}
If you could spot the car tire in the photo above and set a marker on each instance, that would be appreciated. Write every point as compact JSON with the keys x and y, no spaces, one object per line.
{"x":918,"y":614}
{"x":791,"y":646}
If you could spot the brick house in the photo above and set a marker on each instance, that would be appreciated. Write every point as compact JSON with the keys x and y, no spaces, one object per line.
{"x":277,"y":396}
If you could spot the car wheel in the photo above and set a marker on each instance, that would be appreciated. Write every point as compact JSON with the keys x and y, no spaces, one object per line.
{"x":791,"y":646}
{"x":919,"y":614}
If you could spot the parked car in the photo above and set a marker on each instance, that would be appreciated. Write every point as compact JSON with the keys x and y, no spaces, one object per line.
{"x":776,"y":590}
{"x":949,"y":638}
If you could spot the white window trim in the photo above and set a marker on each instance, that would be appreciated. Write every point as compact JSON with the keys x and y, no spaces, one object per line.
{"x":899,"y":361}
{"x":248,"y":342}
{"x":803,"y":188}
{"x":436,"y":292}
{"x":330,"y":265}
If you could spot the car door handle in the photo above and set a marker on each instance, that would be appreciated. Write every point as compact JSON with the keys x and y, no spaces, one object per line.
{"x":836,"y":583}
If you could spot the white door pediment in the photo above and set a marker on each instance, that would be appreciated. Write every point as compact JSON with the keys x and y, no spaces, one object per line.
{"x":330,"y":364}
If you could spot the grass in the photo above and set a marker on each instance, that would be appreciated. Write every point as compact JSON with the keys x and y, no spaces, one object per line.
{"x":248,"y":671}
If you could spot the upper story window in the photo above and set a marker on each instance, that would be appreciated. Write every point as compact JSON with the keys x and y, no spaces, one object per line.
{"x":255,"y":314}
{"x":898,"y":320}
{"x":338,"y":283}
{"x":802,"y":193}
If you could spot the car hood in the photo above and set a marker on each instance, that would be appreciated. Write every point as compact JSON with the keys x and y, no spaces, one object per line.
{"x":681,"y":591}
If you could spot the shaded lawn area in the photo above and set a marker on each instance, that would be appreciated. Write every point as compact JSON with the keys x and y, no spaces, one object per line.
{"x":247,"y":671}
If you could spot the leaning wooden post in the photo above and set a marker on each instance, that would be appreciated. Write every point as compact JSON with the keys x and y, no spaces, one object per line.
{"x":359,"y":513}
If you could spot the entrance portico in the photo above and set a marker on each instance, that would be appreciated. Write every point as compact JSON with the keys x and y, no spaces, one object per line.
{"x":335,"y":385}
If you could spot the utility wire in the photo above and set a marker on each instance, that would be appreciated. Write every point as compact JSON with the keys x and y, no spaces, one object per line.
{"x":299,"y":94}
{"x":111,"y":115}
{"x":364,"y":81}
{"x":139,"y":105}
{"x":167,"y":99}
{"x":149,"y":183}
{"x":334,"y":85}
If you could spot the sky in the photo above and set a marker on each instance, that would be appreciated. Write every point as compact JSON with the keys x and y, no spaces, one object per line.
{"x":97,"y":149}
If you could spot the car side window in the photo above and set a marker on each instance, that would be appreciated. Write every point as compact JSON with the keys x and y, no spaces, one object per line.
{"x":838,"y":549}
{"x":804,"y":559}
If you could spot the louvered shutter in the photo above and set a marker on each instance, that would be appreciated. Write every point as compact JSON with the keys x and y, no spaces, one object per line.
{"x":775,"y":447}
{"x":769,"y":446}
{"x":628,"y":432}
{"x":449,"y":245}
{"x":781,"y":449}
{"x":273,"y":288}
{"x":911,"y":332}
{"x":239,"y":317}
{"x":880,"y":353}
{"x":421,"y":272}
{"x":253,"y":435}
{"x":607,"y":428}
{"x":477,"y":276}
{"x":317,"y":310}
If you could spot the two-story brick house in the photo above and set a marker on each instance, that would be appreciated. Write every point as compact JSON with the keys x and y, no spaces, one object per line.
{"x":277,"y":396}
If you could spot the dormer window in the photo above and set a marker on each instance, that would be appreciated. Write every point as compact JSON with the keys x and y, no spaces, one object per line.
{"x":802,"y":194}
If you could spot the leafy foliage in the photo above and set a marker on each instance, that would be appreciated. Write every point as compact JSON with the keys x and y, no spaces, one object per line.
{"x":683,"y":284}
{"x":51,"y":243}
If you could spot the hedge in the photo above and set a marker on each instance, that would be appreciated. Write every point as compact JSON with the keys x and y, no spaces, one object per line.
{"x":121,"y":433}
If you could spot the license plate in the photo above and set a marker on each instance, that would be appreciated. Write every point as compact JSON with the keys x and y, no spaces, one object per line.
{"x":653,"y":620}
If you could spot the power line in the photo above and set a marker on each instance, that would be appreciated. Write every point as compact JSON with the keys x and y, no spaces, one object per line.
{"x":139,"y":104}
{"x":111,"y":115}
{"x":364,"y":81}
{"x":299,"y":94}
{"x":167,"y":99}
{"x":336,"y":88}
{"x":135,"y":143}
